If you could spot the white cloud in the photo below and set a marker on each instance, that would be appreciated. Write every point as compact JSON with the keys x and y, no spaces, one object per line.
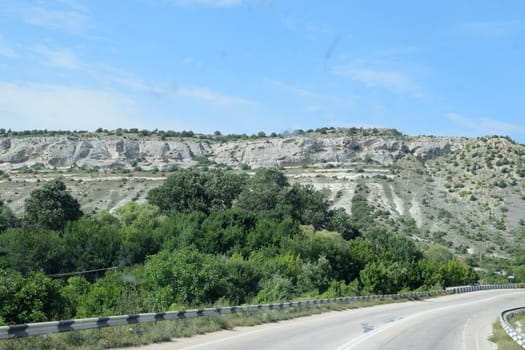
{"x":320,"y":111}
{"x":7,"y":52}
{"x":67,"y":59}
{"x":75,"y":5}
{"x":345,"y":101}
{"x":392,"y":80}
{"x":398,"y":51}
{"x":493,"y":29}
{"x":63,"y":58}
{"x":207,"y":3}
{"x":25,"y":106}
{"x":5,"y":49}
{"x":123,"y":78}
{"x":487,"y":126}
{"x":69,"y":20}
{"x":296,"y":90}
{"x":212,"y":96}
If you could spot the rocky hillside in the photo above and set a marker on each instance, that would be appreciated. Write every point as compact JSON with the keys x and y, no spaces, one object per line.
{"x":129,"y":151}
{"x":468,"y":194}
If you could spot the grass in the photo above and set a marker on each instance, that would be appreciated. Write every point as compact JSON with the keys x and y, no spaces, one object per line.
{"x":502,"y":339}
{"x":517,"y":320}
{"x":147,"y":333}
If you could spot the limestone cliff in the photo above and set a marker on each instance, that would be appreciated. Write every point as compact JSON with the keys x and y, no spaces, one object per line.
{"x":110,"y":152}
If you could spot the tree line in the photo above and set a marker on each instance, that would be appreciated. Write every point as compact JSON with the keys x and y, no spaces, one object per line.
{"x":217,"y":135}
{"x":213,"y":237}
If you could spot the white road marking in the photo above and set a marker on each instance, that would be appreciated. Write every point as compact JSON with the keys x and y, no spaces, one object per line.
{"x":464,"y":335}
{"x":222,"y":340}
{"x":356,"y":341}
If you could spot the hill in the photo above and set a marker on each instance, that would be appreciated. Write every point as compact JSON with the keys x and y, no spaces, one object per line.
{"x":466,"y":194}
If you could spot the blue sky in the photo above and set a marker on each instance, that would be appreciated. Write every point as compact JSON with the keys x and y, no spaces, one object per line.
{"x":243,"y":66}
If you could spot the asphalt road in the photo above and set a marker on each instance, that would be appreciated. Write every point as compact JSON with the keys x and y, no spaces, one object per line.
{"x":462,"y":322}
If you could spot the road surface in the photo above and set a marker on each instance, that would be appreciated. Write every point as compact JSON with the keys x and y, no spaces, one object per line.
{"x":461,"y":321}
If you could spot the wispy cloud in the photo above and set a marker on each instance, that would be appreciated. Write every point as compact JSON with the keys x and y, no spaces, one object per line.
{"x":49,"y":106}
{"x":487,"y":126}
{"x":124,"y":78}
{"x":206,"y":3}
{"x":5,"y":49}
{"x":310,"y":94}
{"x":493,"y":29}
{"x":398,"y":51}
{"x":208,"y":95}
{"x":395,"y":81}
{"x":73,"y":19}
{"x":62,"y":58}
{"x":321,"y":111}
{"x":7,"y":52}
{"x":75,"y":5}
{"x":298,"y":91}
{"x":67,"y":59}
{"x":323,"y":105}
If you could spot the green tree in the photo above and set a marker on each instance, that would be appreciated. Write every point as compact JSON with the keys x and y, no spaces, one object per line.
{"x":430,"y":275}
{"x":270,"y":231}
{"x":314,"y":277}
{"x":30,"y":298}
{"x":7,"y":218}
{"x":519,"y":273}
{"x":181,"y":230}
{"x":115,"y":293}
{"x":243,"y":276}
{"x":225,"y":231}
{"x":309,"y":206}
{"x":92,"y":242}
{"x":51,"y":206}
{"x":391,"y":247}
{"x":264,"y":191}
{"x":139,"y":232}
{"x":277,"y":288}
{"x":456,"y":273}
{"x":73,"y":293}
{"x":362,"y":252}
{"x":329,"y":245}
{"x":341,"y":222}
{"x":32,"y":249}
{"x":376,"y":278}
{"x":223,"y":188}
{"x":361,"y":213}
{"x":438,"y":253}
{"x":184,"y":277}
{"x":189,"y":190}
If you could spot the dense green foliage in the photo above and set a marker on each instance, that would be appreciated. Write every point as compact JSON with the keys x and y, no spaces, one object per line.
{"x":7,"y":218}
{"x":188,"y":190}
{"x":204,"y":238}
{"x":51,"y":206}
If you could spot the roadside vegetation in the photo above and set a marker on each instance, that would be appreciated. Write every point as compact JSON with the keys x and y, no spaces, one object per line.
{"x":148,"y":333}
{"x":502,"y":340}
{"x":204,"y":238}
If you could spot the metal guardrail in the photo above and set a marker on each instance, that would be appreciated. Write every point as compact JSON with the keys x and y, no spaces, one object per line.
{"x":515,"y":335}
{"x":477,"y":287}
{"x":29,"y":329}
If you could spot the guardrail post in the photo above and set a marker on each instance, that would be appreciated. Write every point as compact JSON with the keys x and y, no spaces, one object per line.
{"x":518,"y":338}
{"x":24,"y":330}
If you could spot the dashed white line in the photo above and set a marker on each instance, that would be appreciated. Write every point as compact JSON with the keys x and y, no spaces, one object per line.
{"x":464,"y":335}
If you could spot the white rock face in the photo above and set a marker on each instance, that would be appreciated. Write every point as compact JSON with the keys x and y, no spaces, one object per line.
{"x":111,"y":151}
